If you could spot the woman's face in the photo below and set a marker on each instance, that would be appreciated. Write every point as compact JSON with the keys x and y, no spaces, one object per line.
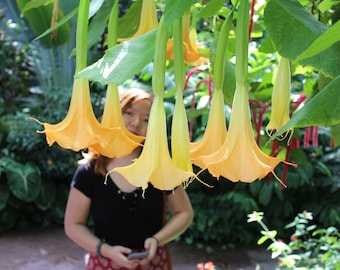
{"x":136,"y":117}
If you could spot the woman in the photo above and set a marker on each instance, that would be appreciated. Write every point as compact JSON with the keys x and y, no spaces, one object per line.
{"x":125,"y":220}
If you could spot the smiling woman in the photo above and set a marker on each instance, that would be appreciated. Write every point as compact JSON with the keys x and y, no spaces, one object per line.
{"x":126,"y":217}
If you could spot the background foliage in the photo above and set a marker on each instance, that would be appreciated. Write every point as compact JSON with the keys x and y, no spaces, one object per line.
{"x":36,"y":81}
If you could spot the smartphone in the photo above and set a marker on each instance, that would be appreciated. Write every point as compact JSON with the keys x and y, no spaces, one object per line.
{"x":138,"y":254}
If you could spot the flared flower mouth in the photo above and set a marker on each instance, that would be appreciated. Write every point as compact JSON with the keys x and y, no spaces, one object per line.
{"x":147,"y":22}
{"x":119,"y":142}
{"x":239,"y":158}
{"x":80,"y":127}
{"x":154,"y":165}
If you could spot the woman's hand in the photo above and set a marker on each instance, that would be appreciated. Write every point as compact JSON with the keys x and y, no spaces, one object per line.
{"x":150,"y":244}
{"x":118,"y":256}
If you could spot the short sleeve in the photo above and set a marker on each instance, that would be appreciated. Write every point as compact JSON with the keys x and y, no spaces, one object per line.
{"x":83,"y":179}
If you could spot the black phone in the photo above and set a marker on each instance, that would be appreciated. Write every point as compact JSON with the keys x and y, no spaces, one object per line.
{"x":138,"y":254}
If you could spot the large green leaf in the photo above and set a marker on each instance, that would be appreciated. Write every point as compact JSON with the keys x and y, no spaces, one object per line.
{"x":322,"y":110}
{"x":122,"y":61}
{"x":293,"y":29}
{"x":4,"y":195}
{"x":46,"y":196}
{"x":39,"y":17}
{"x":175,"y":9}
{"x":128,"y":24}
{"x":23,"y":180}
{"x":323,"y":42}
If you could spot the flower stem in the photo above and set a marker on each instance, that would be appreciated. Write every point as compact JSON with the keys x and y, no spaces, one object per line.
{"x":241,"y":67}
{"x":158,"y":77}
{"x":81,"y":35}
{"x":220,"y":52}
{"x":113,"y":25}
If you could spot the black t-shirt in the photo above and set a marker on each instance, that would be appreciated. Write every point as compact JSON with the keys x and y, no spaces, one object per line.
{"x":120,"y":218}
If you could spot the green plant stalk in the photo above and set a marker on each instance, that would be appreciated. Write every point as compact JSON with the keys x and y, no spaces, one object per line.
{"x":113,"y":25}
{"x":81,"y":35}
{"x":178,"y":55}
{"x":241,"y":52}
{"x":220,"y":52}
{"x":158,"y":77}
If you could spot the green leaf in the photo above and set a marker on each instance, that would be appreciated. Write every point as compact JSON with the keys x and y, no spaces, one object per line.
{"x":122,"y":61}
{"x":98,"y":25}
{"x":128,"y":24}
{"x":4,"y":195}
{"x":265,"y":194}
{"x":39,"y":19}
{"x":323,"y":42}
{"x":175,"y":9}
{"x":23,"y":180}
{"x":229,"y":82}
{"x":322,"y":110}
{"x":336,"y":135}
{"x":211,"y":9}
{"x":293,"y":29}
{"x":46,"y":196}
{"x":262,"y":240}
{"x":57,"y":25}
{"x":36,"y":3}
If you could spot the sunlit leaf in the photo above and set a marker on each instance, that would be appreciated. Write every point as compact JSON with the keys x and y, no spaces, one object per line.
{"x":323,"y":42}
{"x":122,"y":61}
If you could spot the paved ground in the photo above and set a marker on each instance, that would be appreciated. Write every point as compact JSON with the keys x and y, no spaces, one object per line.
{"x":50,"y":249}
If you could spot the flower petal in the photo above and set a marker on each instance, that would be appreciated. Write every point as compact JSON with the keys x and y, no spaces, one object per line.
{"x":280,"y":98}
{"x":215,"y":133}
{"x":119,"y":141}
{"x":154,"y":165}
{"x":80,"y":127}
{"x":239,"y":158}
{"x":180,"y":136}
{"x":190,"y":45}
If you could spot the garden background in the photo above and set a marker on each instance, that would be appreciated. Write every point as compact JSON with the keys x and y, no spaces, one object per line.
{"x":36,"y":82}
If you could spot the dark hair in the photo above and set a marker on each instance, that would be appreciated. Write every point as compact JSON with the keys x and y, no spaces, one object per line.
{"x":127,"y":99}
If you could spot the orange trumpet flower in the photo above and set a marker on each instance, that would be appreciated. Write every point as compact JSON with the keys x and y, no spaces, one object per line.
{"x":80,"y":127}
{"x":240,"y":158}
{"x":191,"y":54}
{"x":215,"y":133}
{"x":119,"y":141}
{"x":154,"y":165}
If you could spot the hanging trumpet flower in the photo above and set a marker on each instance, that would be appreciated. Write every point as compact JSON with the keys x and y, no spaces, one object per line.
{"x":180,"y":131}
{"x":80,"y":127}
{"x":148,"y":20}
{"x":280,"y":99}
{"x":154,"y":165}
{"x":120,"y":142}
{"x":191,"y":54}
{"x":216,"y":130}
{"x":240,"y":159}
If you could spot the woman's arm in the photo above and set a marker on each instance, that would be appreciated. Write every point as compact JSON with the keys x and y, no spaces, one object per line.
{"x":77,"y":210}
{"x":181,"y":216}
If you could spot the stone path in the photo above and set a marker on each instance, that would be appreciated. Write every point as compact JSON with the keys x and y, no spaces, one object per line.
{"x":50,"y":249}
